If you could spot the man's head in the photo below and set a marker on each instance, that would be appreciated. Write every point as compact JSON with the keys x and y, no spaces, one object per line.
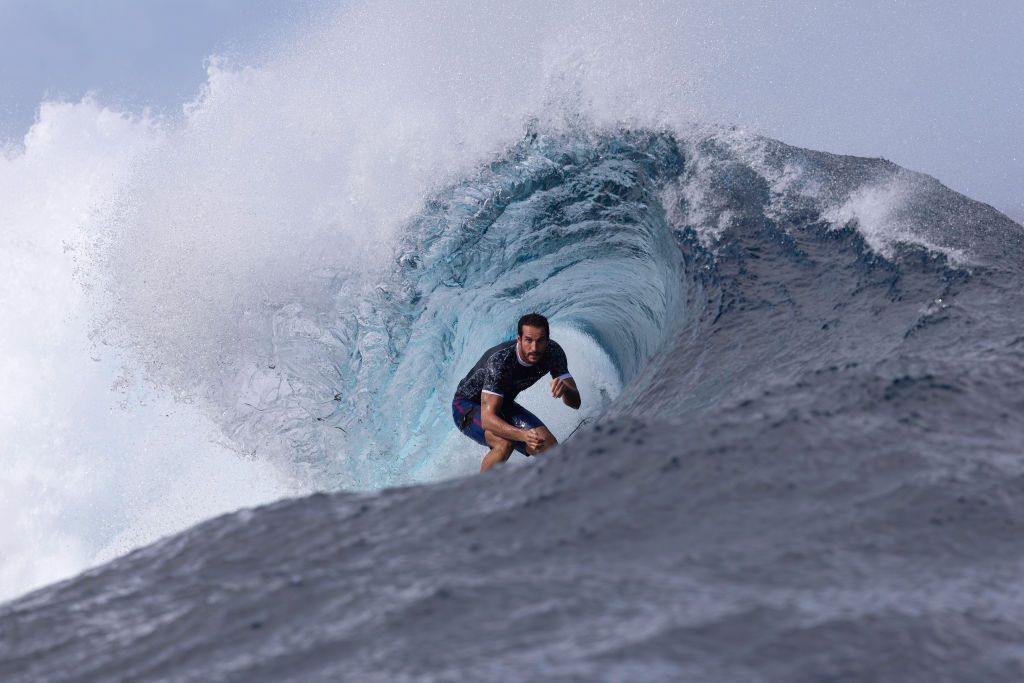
{"x":532,"y":336}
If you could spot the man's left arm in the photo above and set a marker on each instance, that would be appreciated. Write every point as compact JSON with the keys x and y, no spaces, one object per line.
{"x":563,"y":386}
{"x":565,"y":389}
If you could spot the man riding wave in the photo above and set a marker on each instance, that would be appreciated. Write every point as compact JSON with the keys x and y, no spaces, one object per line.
{"x":484,"y":407}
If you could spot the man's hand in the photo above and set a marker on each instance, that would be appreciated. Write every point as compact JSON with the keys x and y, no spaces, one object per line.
{"x":566,"y":390}
{"x":533,"y":438}
{"x":559,"y":387}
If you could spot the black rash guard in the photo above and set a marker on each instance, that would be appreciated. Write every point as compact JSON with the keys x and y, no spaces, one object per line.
{"x":501,"y":372}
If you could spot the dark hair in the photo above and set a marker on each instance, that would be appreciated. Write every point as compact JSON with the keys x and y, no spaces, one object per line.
{"x":534,"y":320}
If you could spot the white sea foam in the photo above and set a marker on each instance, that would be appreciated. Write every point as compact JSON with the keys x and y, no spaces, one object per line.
{"x":86,"y":471}
{"x":878,"y":213}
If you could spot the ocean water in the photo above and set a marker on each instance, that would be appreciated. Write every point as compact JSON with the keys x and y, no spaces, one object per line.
{"x":799,"y":452}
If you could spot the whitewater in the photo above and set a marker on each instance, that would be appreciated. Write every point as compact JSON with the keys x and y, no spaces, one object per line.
{"x":234,"y":335}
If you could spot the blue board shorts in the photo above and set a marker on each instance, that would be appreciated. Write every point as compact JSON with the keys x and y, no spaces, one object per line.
{"x":466,"y":414}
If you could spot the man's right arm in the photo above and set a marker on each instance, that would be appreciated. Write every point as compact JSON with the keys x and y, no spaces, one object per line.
{"x":490,"y":405}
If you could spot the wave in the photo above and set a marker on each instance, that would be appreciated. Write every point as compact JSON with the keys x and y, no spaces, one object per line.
{"x":803,"y":374}
{"x":632,"y":242}
{"x":801,"y":371}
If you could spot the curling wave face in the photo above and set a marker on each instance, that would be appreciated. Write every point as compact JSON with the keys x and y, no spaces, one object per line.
{"x":758,"y":263}
{"x":572,"y":227}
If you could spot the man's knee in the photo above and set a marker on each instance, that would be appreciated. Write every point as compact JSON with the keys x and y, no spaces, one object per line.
{"x":499,"y":444}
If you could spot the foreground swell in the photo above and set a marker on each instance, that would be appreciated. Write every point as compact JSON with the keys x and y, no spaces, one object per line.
{"x":812,"y":471}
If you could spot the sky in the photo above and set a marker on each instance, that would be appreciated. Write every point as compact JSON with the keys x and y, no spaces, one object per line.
{"x":936,"y":86}
{"x":129,"y":53}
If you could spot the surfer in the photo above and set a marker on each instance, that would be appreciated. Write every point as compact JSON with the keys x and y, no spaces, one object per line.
{"x":484,"y":407}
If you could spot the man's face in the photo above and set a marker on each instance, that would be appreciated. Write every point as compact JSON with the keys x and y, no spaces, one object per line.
{"x":532,"y":343}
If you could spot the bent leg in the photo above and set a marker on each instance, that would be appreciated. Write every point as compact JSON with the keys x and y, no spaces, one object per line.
{"x":501,"y":449}
{"x":519,"y":416}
